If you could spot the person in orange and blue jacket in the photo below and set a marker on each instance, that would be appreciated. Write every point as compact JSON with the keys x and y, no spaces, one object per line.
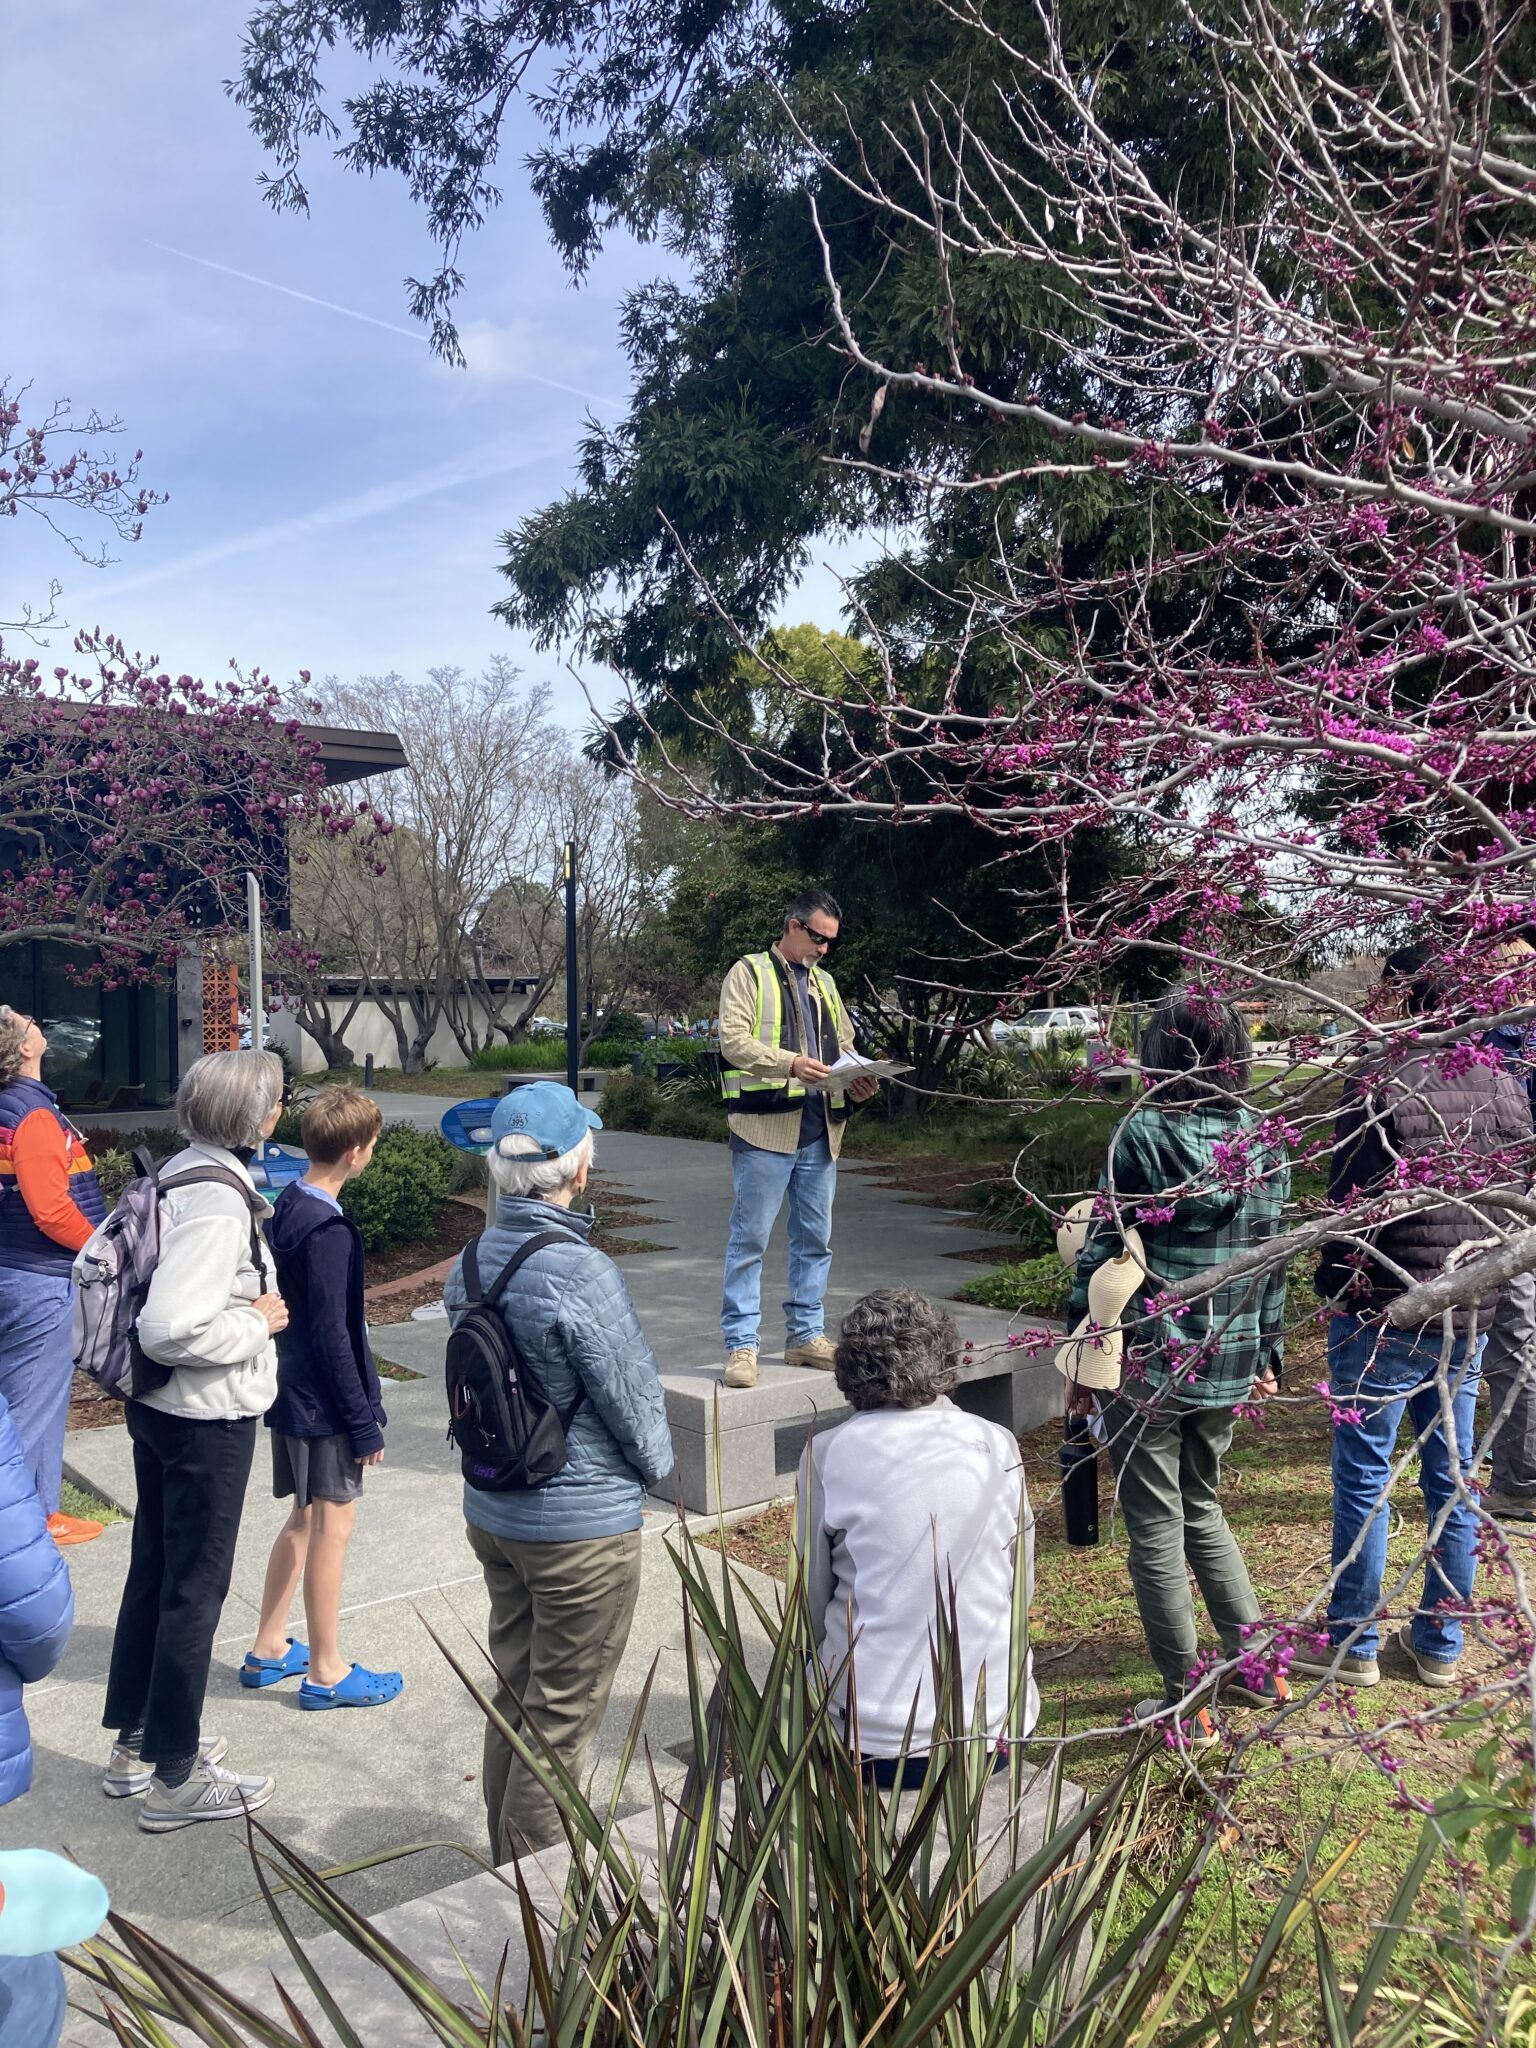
{"x":50,"y":1202}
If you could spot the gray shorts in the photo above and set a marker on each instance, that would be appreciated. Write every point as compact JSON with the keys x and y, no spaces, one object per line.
{"x":314,"y":1468}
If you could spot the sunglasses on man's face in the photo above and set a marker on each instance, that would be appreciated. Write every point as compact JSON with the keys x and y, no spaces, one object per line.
{"x":822,"y":939}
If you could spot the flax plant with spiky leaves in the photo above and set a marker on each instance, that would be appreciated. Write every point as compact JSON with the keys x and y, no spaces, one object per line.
{"x":791,"y":1905}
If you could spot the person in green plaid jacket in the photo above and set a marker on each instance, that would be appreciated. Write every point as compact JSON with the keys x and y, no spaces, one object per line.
{"x":1198,"y":1176}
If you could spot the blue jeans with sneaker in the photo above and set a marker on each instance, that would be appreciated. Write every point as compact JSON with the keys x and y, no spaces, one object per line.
{"x":762,"y":1179}
{"x":36,"y":1370}
{"x":1381,"y":1372}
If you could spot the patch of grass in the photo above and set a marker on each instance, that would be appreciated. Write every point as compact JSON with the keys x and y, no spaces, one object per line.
{"x":1040,"y":1286}
{"x":390,"y":1371}
{"x":1308,"y":1775}
{"x":87,"y":1506}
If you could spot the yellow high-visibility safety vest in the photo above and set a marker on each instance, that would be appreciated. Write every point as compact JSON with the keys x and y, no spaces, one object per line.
{"x":745,"y":1092}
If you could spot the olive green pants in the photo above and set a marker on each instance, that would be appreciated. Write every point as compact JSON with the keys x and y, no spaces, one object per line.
{"x":560,"y":1616}
{"x":1168,"y":1475}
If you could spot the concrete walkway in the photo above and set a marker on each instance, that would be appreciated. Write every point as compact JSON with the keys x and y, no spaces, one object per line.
{"x":354,"y":1783}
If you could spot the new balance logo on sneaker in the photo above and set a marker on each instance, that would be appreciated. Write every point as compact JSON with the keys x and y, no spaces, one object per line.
{"x":211,"y":1793}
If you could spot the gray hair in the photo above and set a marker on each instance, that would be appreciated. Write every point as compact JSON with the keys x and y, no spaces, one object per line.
{"x":520,"y":1172}
{"x":13,"y":1030}
{"x":226,"y":1097}
{"x":896,"y":1349}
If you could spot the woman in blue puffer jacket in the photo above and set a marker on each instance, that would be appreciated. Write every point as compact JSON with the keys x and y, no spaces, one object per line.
{"x":37,"y":1609}
{"x":37,"y":1605}
{"x":561,"y":1561}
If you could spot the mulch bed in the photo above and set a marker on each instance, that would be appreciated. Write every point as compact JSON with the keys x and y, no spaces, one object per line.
{"x":457,"y":1220}
{"x":397,"y":1307}
{"x":89,"y":1407}
{"x":951,"y":1184}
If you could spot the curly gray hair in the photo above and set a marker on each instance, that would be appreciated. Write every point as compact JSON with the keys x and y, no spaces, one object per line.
{"x":13,"y":1031}
{"x":896,"y":1349}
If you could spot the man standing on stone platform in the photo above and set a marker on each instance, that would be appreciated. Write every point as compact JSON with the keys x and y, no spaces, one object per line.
{"x":783,"y":1026}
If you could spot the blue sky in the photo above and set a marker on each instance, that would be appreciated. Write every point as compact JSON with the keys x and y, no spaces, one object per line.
{"x":335,"y":493}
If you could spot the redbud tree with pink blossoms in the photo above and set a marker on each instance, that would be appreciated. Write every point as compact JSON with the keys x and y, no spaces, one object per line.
{"x":1318,"y":388}
{"x":135,"y":801}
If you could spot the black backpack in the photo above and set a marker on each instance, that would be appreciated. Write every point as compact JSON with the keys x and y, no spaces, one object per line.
{"x":509,"y":1436}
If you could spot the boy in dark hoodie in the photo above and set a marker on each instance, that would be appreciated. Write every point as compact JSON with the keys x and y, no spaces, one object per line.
{"x":328,"y":1420}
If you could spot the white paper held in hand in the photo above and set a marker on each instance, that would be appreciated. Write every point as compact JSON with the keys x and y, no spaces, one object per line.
{"x":853,"y":1064}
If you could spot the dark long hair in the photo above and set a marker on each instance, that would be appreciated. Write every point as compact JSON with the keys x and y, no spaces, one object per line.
{"x":1195,"y":1049}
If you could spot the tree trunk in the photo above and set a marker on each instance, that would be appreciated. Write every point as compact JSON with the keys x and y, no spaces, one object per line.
{"x":330,"y":1038}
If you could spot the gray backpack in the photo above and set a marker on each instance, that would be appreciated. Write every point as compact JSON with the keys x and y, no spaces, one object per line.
{"x":113,"y":1269}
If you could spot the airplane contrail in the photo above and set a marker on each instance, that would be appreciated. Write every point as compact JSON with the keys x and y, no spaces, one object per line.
{"x":389,"y":326}
{"x":358,"y":506}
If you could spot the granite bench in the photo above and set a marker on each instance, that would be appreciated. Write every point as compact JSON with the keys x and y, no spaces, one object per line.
{"x":738,"y":1447}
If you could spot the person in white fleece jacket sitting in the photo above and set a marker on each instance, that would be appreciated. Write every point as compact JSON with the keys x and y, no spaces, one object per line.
{"x":909,"y":1498}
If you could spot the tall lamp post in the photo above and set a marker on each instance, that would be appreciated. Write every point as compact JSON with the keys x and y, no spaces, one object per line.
{"x":258,"y":1001}
{"x":572,"y":1004}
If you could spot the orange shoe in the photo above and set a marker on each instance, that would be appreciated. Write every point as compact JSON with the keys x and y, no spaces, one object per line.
{"x":71,"y":1529}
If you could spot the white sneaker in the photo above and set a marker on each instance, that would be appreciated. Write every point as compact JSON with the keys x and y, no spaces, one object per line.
{"x":127,"y":1774}
{"x":211,"y":1793}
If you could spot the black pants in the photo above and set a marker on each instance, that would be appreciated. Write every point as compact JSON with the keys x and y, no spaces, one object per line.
{"x":191,"y":1479}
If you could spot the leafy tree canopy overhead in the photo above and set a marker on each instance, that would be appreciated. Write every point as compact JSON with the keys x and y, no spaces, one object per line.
{"x":706,"y":127}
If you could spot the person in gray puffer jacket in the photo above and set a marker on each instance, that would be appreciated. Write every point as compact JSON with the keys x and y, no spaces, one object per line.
{"x":561,"y":1561}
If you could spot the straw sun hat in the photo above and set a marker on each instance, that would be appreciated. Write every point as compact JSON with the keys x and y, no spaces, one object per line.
{"x":1095,"y":1361}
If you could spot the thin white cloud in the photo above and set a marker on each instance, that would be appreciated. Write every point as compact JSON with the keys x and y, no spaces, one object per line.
{"x":340,"y":512}
{"x":501,"y":351}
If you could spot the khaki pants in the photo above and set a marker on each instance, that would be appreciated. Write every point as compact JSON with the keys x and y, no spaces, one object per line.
{"x":1168,"y":1476}
{"x":560,"y":1616}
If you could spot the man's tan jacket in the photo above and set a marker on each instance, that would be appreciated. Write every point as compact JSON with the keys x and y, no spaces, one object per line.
{"x":740,"y":1047}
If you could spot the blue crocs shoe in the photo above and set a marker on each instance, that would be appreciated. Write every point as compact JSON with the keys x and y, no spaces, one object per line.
{"x":360,"y":1688}
{"x":293,"y":1663}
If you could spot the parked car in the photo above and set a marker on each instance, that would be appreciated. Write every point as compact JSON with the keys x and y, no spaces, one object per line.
{"x":1037,"y":1028}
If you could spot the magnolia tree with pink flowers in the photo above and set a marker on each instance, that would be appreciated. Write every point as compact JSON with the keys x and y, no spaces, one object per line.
{"x":1307,"y":694}
{"x":135,"y":801}
{"x":55,"y":468}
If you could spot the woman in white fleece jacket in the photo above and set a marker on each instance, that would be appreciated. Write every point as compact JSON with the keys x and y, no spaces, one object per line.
{"x":209,"y":1322}
{"x":908,"y":1504}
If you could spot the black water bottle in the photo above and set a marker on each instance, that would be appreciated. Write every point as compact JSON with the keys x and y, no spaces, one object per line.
{"x":1079,"y":1482}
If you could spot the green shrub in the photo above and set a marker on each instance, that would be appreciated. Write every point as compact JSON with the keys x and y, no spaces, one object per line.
{"x":534,"y":1056}
{"x":692,"y":1120}
{"x":678,"y":1052}
{"x":547,"y":1056}
{"x":1061,"y":1154}
{"x":397,"y":1197}
{"x":1037,"y":1286}
{"x":611,"y":1052}
{"x":114,"y":1169}
{"x":159,"y":1140}
{"x":625,"y":1027}
{"x":634,"y":1102}
{"x":630,"y":1102}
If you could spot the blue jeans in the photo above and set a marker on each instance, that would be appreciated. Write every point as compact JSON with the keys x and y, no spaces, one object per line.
{"x":36,"y":1368}
{"x":1381,"y":1372}
{"x":31,"y":2001}
{"x":762,"y":1179}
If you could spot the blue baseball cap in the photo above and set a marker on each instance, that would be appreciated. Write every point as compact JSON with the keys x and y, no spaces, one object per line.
{"x":548,"y":1113}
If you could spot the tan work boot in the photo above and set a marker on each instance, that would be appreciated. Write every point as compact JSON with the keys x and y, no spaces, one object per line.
{"x":815,"y":1351}
{"x":741,"y":1366}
